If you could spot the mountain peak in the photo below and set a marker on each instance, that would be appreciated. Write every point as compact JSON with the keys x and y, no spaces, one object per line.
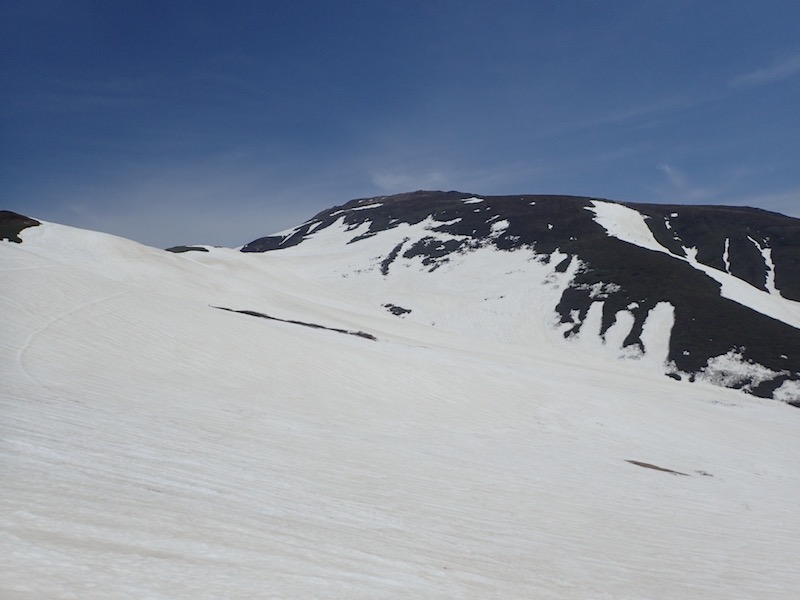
{"x":726,"y":278}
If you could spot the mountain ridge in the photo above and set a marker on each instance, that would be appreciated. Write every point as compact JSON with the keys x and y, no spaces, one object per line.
{"x":757,"y":247}
{"x":721,"y":282}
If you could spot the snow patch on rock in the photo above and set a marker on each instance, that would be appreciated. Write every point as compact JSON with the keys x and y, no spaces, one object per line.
{"x":625,"y":224}
{"x":733,"y":371}
{"x":499,"y":227}
{"x":789,"y":391}
{"x":726,"y":259}
{"x":766,"y":253}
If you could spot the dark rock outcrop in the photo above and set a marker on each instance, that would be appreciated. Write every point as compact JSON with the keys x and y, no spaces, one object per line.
{"x":11,"y":224}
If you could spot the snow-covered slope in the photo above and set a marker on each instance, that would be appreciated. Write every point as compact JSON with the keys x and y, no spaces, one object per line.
{"x":153,"y":445}
{"x":704,"y":293}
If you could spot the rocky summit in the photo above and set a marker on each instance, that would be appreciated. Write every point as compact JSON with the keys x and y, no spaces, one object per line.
{"x":716,"y":287}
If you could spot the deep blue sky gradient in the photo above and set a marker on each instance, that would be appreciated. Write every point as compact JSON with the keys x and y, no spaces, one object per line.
{"x":208,"y":122}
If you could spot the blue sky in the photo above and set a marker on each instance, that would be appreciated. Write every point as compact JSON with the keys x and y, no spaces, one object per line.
{"x":218,"y":122}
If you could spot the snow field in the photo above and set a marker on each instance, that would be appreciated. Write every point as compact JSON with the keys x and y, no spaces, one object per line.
{"x":152,"y":446}
{"x":513,"y":305}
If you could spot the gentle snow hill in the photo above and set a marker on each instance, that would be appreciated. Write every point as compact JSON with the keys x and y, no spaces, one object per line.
{"x":153,"y":445}
{"x":695,"y":292}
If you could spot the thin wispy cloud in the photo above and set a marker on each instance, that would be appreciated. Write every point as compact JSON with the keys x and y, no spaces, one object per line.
{"x":651,"y":109}
{"x":682,"y":189}
{"x":675,"y":177}
{"x":786,"y":68}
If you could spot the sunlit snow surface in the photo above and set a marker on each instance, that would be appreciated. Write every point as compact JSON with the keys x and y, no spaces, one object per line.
{"x":155,"y":447}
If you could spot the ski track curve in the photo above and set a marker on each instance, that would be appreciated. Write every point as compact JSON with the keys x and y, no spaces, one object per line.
{"x":37,"y":332}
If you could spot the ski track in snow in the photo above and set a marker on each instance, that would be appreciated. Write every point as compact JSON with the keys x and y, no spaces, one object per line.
{"x":38,"y":331}
{"x":176,"y":451}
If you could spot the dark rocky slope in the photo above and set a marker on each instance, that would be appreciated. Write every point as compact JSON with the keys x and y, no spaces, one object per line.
{"x":707,"y":325}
